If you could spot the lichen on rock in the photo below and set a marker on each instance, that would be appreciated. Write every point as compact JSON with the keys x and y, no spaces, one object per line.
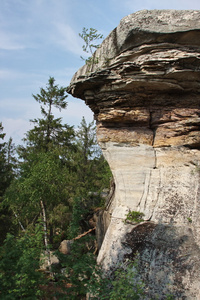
{"x":144,"y":93}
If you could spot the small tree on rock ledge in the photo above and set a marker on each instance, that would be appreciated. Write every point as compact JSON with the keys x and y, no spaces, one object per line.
{"x":90,"y":36}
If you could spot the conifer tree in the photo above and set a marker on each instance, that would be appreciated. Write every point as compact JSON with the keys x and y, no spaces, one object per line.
{"x":60,"y":177}
{"x":41,"y":183}
{"x":90,"y":38}
{"x":7,"y":164}
{"x":48,"y":132}
{"x":91,"y":160}
{"x":3,"y":165}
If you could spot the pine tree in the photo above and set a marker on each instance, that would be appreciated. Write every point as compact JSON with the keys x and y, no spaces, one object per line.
{"x":48,"y":132}
{"x":92,"y":175}
{"x":41,"y":183}
{"x":91,"y":160}
{"x":90,"y":38}
{"x":7,"y":165}
{"x":60,"y":177}
{"x":3,"y":165}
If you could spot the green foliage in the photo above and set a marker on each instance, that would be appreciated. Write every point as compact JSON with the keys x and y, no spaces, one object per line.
{"x":90,"y":36}
{"x":48,"y":131}
{"x":19,"y":266}
{"x":125,"y":284}
{"x":6,"y":224}
{"x":170,"y":297}
{"x":58,"y":220}
{"x":7,"y":165}
{"x":99,"y":286}
{"x":93,"y":173}
{"x":6,"y":159}
{"x":51,"y":96}
{"x":77,"y":216}
{"x":79,"y":267}
{"x":60,"y":177}
{"x":134,"y":216}
{"x":42,"y":180}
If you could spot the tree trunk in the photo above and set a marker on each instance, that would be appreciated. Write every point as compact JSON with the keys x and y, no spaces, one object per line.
{"x":45,"y":234}
{"x":20,"y":224}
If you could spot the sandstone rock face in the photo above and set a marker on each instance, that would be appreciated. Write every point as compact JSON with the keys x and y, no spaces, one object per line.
{"x":145,"y":95}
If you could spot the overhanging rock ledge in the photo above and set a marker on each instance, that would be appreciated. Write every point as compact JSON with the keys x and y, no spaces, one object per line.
{"x":145,"y":95}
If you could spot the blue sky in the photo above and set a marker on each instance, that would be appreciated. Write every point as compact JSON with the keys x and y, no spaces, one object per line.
{"x":40,"y":38}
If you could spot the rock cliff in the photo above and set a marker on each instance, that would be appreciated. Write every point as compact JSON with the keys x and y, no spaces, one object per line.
{"x":145,"y":95}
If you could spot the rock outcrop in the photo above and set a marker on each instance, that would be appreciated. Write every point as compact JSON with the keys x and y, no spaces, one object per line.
{"x":145,"y":95}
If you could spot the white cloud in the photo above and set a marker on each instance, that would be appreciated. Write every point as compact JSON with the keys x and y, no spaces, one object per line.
{"x":15,"y":128}
{"x":67,"y":37}
{"x":38,"y":24}
{"x":10,"y":41}
{"x":15,"y":107}
{"x":76,"y":109}
{"x":10,"y":74}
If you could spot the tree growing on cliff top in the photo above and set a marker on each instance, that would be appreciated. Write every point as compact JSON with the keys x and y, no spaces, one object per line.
{"x":90,"y":37}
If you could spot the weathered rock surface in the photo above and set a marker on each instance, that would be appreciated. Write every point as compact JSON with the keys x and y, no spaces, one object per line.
{"x":145,"y":95}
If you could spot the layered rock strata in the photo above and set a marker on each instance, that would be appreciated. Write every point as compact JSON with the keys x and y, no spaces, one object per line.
{"x":145,"y":95}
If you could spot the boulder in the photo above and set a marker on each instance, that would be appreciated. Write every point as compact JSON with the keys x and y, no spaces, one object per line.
{"x":65,"y":246}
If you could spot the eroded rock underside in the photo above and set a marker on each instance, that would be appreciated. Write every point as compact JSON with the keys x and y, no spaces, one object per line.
{"x":145,"y":95}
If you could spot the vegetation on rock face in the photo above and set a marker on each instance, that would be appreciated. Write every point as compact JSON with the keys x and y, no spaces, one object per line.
{"x":134,"y":217}
{"x":90,"y":37}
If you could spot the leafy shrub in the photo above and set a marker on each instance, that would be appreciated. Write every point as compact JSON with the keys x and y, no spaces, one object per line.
{"x":125,"y":284}
{"x":77,"y":268}
{"x":19,"y":267}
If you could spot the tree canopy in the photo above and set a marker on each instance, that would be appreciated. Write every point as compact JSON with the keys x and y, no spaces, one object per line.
{"x":58,"y":183}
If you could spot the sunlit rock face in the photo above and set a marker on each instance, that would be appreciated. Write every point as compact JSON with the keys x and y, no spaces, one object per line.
{"x":145,"y":95}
